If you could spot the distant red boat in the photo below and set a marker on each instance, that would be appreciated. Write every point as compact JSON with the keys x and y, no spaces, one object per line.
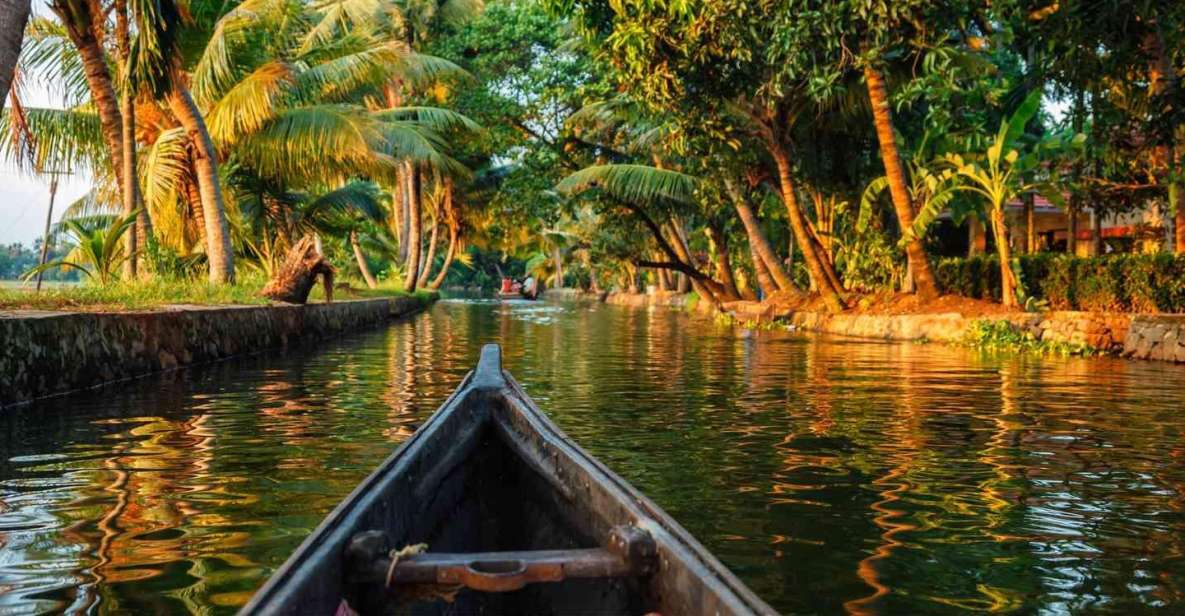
{"x":512,"y":289}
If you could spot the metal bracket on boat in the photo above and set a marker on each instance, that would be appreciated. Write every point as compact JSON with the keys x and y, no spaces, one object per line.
{"x":630,"y":552}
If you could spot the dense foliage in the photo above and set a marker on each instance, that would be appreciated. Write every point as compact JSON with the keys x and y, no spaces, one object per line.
{"x":739,"y":149}
{"x":1122,"y":283}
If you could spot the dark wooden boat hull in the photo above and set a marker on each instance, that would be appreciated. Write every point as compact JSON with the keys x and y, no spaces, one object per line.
{"x":488,"y":472}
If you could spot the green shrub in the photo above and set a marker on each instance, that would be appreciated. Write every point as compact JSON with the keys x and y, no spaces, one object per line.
{"x":1122,"y":282}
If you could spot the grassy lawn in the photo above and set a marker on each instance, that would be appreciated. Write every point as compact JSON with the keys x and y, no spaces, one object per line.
{"x":145,"y":294}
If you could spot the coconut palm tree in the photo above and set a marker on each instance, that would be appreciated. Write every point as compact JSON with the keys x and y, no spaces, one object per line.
{"x":97,"y":251}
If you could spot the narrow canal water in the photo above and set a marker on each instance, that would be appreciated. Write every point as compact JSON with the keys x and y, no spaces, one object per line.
{"x":830,"y":475}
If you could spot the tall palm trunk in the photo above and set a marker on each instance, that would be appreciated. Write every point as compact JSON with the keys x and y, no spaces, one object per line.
{"x":413,"y":235}
{"x":811,"y":251}
{"x":1162,"y":80}
{"x":759,"y":244}
{"x":218,"y":247}
{"x":404,"y":215}
{"x":454,"y":232}
{"x":83,"y":20}
{"x":453,"y":238}
{"x":878,"y":95}
{"x":363,"y":266}
{"x":14,"y":14}
{"x":426,"y":267}
{"x":138,"y":235}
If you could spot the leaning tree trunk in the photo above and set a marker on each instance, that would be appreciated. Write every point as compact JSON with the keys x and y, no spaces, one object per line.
{"x":218,"y":247}
{"x":448,"y":257}
{"x":452,"y":219}
{"x":878,"y":95}
{"x":764,"y":280}
{"x":297,"y":275}
{"x":810,"y":249}
{"x":363,"y":266}
{"x":426,"y":267}
{"x":413,"y":235}
{"x":723,"y":262}
{"x":14,"y":14}
{"x":760,"y":245}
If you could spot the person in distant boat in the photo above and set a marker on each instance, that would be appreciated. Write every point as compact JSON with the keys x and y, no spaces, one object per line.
{"x":530,"y":288}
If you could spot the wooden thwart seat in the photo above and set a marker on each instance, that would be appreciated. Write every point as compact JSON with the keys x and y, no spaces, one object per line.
{"x":630,"y":552}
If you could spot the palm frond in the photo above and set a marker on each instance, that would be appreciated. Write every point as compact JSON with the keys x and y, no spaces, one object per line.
{"x":250,"y":103}
{"x":215,"y":70}
{"x":436,"y":118}
{"x":53,"y":139}
{"x":639,"y":184}
{"x":361,"y":197}
{"x":52,"y":60}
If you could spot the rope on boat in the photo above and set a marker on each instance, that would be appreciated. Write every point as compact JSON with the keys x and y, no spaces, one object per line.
{"x":418,"y":592}
{"x":407,"y":550}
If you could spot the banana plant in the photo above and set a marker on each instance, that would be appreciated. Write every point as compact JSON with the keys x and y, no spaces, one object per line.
{"x":1006,"y":170}
{"x":98,"y":250}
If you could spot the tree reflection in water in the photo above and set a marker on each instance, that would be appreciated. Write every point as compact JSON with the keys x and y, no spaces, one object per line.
{"x":831,"y":475}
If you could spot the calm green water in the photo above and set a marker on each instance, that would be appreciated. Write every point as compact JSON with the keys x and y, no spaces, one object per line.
{"x":832,"y":476}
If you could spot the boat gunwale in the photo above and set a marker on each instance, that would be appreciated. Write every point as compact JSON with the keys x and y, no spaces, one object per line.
{"x":641,"y":506}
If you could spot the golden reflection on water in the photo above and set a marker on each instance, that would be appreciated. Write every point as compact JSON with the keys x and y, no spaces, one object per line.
{"x":831,"y":475}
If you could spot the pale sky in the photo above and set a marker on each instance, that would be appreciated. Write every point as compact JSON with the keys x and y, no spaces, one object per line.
{"x":23,"y":199}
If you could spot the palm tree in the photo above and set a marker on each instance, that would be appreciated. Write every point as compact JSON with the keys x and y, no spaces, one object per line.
{"x":1002,"y":173}
{"x":98,"y":250}
{"x":878,"y":94}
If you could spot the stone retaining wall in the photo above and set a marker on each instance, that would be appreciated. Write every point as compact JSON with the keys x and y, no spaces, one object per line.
{"x":1156,"y":337}
{"x":1138,"y":336}
{"x":47,"y":353}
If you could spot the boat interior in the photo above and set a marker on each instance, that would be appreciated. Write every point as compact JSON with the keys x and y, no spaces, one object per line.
{"x":480,"y":489}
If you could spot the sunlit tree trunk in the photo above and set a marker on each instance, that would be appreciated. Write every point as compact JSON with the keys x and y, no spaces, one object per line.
{"x":1162,"y":79}
{"x":723,"y":261}
{"x":363,"y":266}
{"x":1029,"y":201}
{"x":810,"y":249}
{"x":927,"y":287}
{"x":1007,"y":280}
{"x":452,"y":219}
{"x":83,"y":20}
{"x":760,"y":245}
{"x":14,"y":14}
{"x":218,"y":247}
{"x":414,"y":225}
{"x":426,"y":266}
{"x":764,"y":280}
{"x":138,"y":235}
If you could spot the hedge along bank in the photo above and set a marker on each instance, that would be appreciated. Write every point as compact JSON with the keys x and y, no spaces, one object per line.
{"x":1149,"y":283}
{"x":47,"y":353}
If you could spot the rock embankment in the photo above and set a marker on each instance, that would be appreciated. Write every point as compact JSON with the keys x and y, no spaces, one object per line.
{"x":47,"y":353}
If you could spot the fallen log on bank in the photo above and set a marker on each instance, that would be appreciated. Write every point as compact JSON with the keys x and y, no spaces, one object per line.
{"x":297,"y":275}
